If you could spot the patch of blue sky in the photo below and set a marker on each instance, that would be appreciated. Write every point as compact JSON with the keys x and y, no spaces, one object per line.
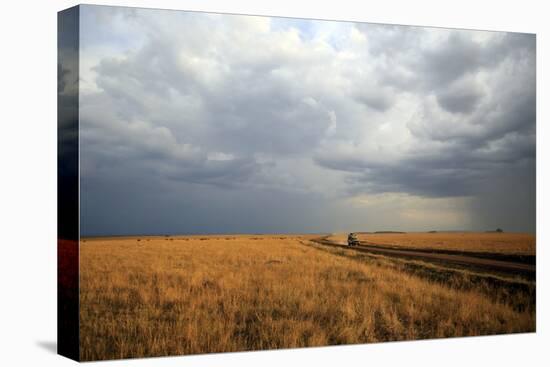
{"x":305,"y":27}
{"x":335,"y":33}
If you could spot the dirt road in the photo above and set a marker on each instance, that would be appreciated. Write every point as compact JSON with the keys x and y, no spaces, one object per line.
{"x":434,"y":256}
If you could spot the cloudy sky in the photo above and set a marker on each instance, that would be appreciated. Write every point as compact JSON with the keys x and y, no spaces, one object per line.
{"x":207,"y":123}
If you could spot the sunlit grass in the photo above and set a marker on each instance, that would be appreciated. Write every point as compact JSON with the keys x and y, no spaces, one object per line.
{"x":167,"y":296}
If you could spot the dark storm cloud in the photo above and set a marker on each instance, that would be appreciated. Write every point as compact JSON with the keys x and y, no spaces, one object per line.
{"x":454,"y":172}
{"x":379,"y":100}
{"x":463,"y":100}
{"x":469,"y":132}
{"x":189,"y":208}
{"x":454,"y":57}
{"x":510,"y":111}
{"x":459,"y":54}
{"x":198,"y":122}
{"x":201,"y":119}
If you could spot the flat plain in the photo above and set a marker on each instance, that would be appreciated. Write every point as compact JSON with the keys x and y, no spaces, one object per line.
{"x":490,"y":242}
{"x":171,"y":295}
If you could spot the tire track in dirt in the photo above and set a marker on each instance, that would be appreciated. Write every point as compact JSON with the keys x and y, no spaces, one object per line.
{"x":464,"y":260}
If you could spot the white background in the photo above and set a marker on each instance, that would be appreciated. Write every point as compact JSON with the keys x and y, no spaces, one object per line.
{"x":28,"y":183}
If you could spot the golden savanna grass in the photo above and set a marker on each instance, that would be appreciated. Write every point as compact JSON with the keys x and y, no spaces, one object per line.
{"x":184,"y":295}
{"x":493,"y":242}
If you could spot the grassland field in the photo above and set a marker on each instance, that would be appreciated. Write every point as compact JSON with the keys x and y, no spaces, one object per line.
{"x":158,"y":296}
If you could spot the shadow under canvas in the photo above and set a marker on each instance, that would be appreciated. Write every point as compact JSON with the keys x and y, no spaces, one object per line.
{"x":48,"y":345}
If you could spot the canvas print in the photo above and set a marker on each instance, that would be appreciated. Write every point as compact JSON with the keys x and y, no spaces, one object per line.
{"x":240,"y":183}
